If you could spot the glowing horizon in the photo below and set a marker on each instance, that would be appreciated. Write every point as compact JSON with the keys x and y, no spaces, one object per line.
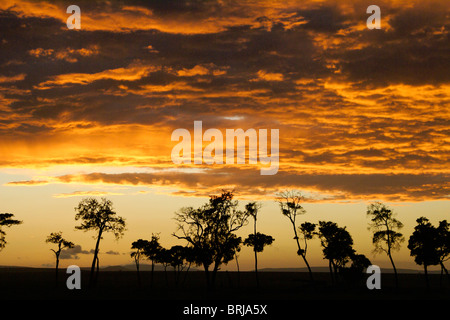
{"x":363,"y":116}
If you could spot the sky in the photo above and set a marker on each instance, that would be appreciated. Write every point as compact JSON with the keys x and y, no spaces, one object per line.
{"x":362,"y":115}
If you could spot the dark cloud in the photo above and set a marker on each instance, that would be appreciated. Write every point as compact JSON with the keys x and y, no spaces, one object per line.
{"x":395,"y":187}
{"x":342,"y":96}
{"x":72,"y":253}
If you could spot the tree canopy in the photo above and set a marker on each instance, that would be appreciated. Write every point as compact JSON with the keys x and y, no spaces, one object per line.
{"x":210,"y":231}
{"x":98,"y":216}
{"x":6,"y":220}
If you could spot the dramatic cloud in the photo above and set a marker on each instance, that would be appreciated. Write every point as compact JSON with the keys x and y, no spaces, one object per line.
{"x":362,"y":113}
{"x":325,"y":187}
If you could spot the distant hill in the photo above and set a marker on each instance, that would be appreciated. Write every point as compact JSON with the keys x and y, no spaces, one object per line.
{"x":158,"y":267}
{"x":326,"y":269}
{"x":132,"y":267}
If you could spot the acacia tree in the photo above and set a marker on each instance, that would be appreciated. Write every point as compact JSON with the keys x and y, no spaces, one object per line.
{"x":443,"y":247}
{"x":337,"y":245}
{"x":139,"y":246}
{"x":423,"y":245}
{"x":151,"y":252}
{"x":6,"y":220}
{"x":307,"y":232}
{"x":385,"y":226}
{"x":256,"y":240}
{"x":100,"y":217}
{"x":180,"y":260}
{"x":56,"y":238}
{"x":210,"y":231}
{"x":290,"y":206}
{"x":164,"y":257}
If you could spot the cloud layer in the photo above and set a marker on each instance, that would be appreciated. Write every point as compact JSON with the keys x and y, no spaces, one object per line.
{"x":361,"y":113}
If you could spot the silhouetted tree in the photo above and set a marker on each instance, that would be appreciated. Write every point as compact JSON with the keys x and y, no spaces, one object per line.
{"x":443,"y":246}
{"x":236,"y":258}
{"x":423,"y":245}
{"x":210,"y":231}
{"x":385,"y":226}
{"x":256,"y":240}
{"x":100,"y":217}
{"x":355,"y":273}
{"x":151,"y":251}
{"x":164,"y":258}
{"x":6,"y":220}
{"x":307,"y":232}
{"x":289,"y":202}
{"x":179,"y":260}
{"x":140,"y":247}
{"x":56,"y":238}
{"x":189,"y":257}
{"x":337,"y":245}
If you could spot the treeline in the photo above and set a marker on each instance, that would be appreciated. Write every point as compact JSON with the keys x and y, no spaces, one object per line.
{"x":210,"y":239}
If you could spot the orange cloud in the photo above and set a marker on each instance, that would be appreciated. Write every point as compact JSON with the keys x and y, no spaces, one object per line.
{"x":86,"y":194}
{"x":68,"y":54}
{"x":18,"y":77}
{"x":132,"y":72}
{"x":268,"y":76}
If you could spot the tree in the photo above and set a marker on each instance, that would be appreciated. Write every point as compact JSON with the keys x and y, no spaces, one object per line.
{"x":337,"y":245}
{"x":443,"y":246}
{"x":164,"y":257}
{"x":56,"y":238}
{"x":98,"y":216}
{"x":180,"y":260}
{"x":151,"y":252}
{"x":210,"y":231}
{"x":355,"y":273}
{"x":140,"y":246}
{"x":423,"y":245}
{"x":385,"y":226}
{"x":307,"y":232}
{"x":290,"y":206}
{"x":6,"y":220}
{"x":256,"y":240}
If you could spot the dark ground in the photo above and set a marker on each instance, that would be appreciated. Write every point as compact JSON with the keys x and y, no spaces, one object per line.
{"x":39,"y":284}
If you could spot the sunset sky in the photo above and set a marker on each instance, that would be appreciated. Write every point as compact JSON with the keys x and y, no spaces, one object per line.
{"x":363,"y":116}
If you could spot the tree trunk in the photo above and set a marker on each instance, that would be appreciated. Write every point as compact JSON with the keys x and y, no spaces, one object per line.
{"x":93,"y":277}
{"x":153,"y":269}
{"x":138,"y":273}
{"x":238,"y":271}
{"x":186,"y":273}
{"x":393,"y":266}
{"x":389,"y":244}
{"x":256,"y":256}
{"x":425,"y":268}
{"x":256,"y":268}
{"x":165,"y":275}
{"x":300,"y":249}
{"x":56,"y":269}
{"x":213,"y":275}
{"x":331,"y":271}
{"x":443,"y":268}
{"x":208,"y":284}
